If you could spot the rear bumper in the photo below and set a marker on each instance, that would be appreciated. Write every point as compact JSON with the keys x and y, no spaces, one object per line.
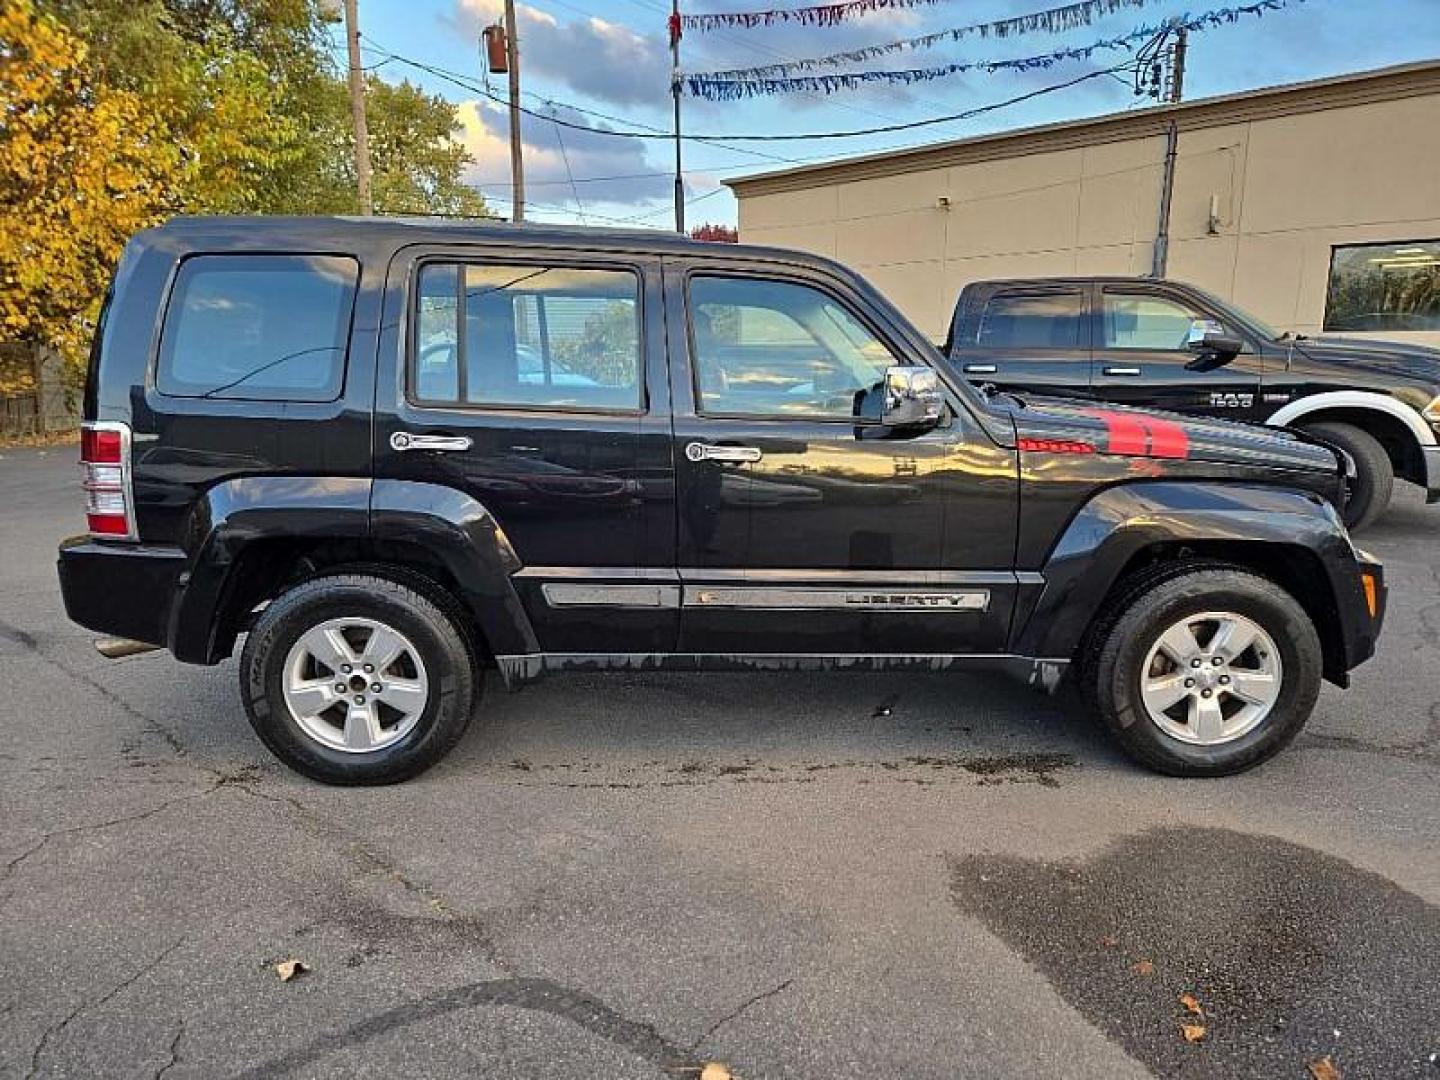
{"x":1431,"y":457}
{"x":124,"y":590}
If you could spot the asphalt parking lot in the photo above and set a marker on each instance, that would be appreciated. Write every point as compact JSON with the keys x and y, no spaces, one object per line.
{"x":635,"y":875}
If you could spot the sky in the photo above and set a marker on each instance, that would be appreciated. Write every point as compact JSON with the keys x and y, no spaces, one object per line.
{"x":605,"y":65}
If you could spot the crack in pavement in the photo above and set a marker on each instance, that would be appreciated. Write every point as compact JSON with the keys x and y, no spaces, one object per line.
{"x":737,"y":1012}
{"x":57,"y":1029}
{"x":14,"y":633}
{"x":174,"y":1052}
{"x":125,"y":819}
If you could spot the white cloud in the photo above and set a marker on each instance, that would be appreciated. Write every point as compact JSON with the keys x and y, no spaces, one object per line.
{"x":591,"y":155}
{"x":604,"y":60}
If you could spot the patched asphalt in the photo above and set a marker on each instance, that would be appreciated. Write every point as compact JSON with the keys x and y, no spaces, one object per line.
{"x":797,"y":875}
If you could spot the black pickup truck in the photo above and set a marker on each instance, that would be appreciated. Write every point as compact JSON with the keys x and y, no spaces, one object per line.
{"x":392,"y":454}
{"x":1168,"y":345}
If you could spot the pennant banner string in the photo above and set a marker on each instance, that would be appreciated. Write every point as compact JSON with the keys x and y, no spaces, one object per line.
{"x":1053,"y":21}
{"x":719,"y":87}
{"x":1069,"y":16}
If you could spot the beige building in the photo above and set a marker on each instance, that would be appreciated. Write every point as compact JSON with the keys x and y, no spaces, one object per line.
{"x":1277,"y":193}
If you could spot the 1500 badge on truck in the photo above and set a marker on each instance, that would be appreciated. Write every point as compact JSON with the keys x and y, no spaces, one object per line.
{"x":391,"y":455}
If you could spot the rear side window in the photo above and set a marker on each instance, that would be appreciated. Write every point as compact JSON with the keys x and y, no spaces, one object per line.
{"x":258,"y":327}
{"x":1036,"y":320}
{"x":535,"y":337}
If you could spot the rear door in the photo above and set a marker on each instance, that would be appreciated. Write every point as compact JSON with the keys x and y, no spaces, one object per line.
{"x":544,"y":374}
{"x":1142,"y":356}
{"x":1029,"y":337}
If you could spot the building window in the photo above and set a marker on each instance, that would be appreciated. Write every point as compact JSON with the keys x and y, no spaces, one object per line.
{"x":258,"y":327}
{"x":1384,"y":287}
{"x":538,"y":337}
{"x":1035,"y":320}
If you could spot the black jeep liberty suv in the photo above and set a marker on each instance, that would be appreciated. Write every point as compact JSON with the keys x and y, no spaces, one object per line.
{"x":393,"y":454}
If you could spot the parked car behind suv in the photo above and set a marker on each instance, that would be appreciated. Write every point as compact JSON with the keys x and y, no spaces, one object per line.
{"x":1164,"y":344}
{"x":393,"y":454}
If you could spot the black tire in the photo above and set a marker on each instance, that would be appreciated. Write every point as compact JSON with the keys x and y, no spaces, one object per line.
{"x":1374,"y":481}
{"x":437,"y":637}
{"x":1115,"y":673}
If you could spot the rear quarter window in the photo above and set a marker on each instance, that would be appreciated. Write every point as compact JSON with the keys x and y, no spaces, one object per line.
{"x":258,"y":327}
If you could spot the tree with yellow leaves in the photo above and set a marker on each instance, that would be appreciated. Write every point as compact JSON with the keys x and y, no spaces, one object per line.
{"x":82,"y":167}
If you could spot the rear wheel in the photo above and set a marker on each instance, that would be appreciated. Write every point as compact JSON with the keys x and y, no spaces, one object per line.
{"x":1368,"y":491}
{"x":357,"y":679}
{"x":1209,"y":672}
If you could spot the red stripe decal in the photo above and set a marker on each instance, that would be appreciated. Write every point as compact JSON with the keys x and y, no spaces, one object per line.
{"x":1167,"y":438}
{"x":1127,"y":433}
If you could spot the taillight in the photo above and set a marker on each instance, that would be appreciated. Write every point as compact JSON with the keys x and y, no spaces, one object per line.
{"x":105,"y":462}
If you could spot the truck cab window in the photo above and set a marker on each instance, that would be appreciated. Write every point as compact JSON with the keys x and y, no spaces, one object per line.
{"x":1034,"y":320}
{"x":1150,"y":323}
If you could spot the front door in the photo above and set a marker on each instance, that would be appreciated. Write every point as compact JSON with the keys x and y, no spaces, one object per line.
{"x":1142,"y":357}
{"x":802,"y":529}
{"x":545,"y":374}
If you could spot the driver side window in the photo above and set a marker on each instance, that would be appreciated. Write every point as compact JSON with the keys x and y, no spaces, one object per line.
{"x":1150,"y":323}
{"x":779,"y":349}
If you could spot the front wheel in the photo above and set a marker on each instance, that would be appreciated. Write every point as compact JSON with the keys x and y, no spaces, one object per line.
{"x":1207,"y":673}
{"x":1368,"y":492}
{"x":357,"y":679}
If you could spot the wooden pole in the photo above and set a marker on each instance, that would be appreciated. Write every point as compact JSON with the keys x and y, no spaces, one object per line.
{"x":357,"y":109}
{"x":517,"y":162}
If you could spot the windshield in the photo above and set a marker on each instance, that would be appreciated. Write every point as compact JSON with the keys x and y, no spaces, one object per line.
{"x":1243,"y":318}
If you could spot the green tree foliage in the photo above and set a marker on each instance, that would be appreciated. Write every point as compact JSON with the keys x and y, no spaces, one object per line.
{"x":228,"y":106}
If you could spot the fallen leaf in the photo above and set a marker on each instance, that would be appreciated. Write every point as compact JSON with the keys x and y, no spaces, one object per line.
{"x":291,"y":969}
{"x":1190,"y":1002}
{"x":1324,"y":1069}
{"x":1143,"y":967}
{"x":1193,"y":1032}
{"x":1109,"y":942}
{"x":713,"y":1070}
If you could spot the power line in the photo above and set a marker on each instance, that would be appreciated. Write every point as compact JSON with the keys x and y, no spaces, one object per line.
{"x":807,"y":136}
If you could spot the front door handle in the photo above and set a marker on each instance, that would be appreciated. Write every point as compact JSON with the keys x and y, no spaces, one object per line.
{"x":736,"y":454}
{"x":980,"y":369}
{"x":1120,"y":371}
{"x":404,"y":440}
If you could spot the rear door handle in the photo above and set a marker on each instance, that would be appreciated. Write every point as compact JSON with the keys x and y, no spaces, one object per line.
{"x":1121,"y":371}
{"x":404,"y":440}
{"x":696,"y":451}
{"x":980,"y":369}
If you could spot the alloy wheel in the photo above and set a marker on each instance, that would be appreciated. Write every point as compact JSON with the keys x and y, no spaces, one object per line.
{"x":355,"y":684}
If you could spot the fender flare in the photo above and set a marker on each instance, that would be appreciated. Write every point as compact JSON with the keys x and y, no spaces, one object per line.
{"x":1354,"y":399}
{"x":448,"y":525}
{"x":230,"y":516}
{"x":469,"y":541}
{"x":1121,"y":522}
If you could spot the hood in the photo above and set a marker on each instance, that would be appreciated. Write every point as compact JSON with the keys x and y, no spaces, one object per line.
{"x":1126,"y":432}
{"x":1387,"y":359}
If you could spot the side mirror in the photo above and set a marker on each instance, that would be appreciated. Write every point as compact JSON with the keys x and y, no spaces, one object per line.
{"x":912,"y":398}
{"x":1208,"y":336}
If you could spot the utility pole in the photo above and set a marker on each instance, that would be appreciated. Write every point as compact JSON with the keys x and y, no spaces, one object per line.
{"x":675,"y":93}
{"x":1177,"y":67}
{"x":1161,"y":253}
{"x":517,"y":160}
{"x":357,"y":109}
